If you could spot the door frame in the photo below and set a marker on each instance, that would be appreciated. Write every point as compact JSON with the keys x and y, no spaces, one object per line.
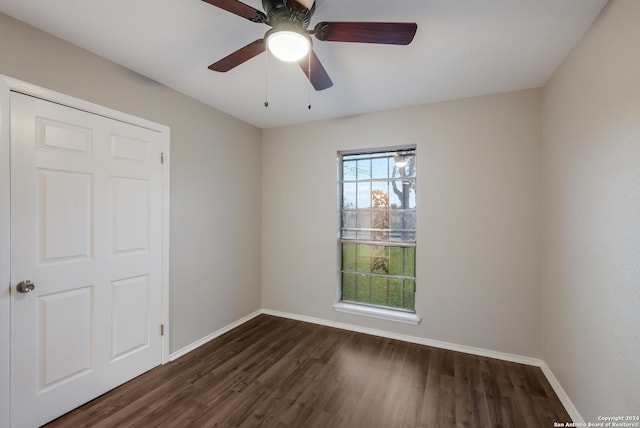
{"x":8,"y":85}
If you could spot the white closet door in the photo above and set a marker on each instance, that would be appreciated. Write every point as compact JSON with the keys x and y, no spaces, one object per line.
{"x":86,"y":232}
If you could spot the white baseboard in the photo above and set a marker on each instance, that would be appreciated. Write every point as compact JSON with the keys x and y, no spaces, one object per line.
{"x":412,"y":339}
{"x":198,"y":343}
{"x":562,"y":395}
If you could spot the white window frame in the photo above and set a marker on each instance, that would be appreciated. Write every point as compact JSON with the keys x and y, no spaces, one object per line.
{"x":358,"y":308}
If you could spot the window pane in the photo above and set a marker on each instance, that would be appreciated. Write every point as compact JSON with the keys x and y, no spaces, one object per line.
{"x":348,"y":257}
{"x":380,"y":195}
{"x":395,"y":196}
{"x":349,"y":286}
{"x":349,"y":195}
{"x":363,"y":258}
{"x":363,"y":289}
{"x":403,"y":225}
{"x":379,"y":290}
{"x":380,"y":260}
{"x":404,"y":166}
{"x":364,"y":169}
{"x":380,"y":168}
{"x":364,"y":224}
{"x":349,"y":224}
{"x":412,"y":196}
{"x":395,"y":293}
{"x":380,"y":215}
{"x":380,"y":221}
{"x":402,"y":195}
{"x":364,"y":195}
{"x":410,"y":262}
{"x":349,"y":170}
{"x":409,"y":295}
{"x":402,"y":261}
{"x":396,"y":261}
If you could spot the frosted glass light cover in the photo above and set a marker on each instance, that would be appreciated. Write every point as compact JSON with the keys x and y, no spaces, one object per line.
{"x":288,"y":46}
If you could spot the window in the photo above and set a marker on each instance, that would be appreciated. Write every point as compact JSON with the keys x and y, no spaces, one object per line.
{"x":377,"y":241}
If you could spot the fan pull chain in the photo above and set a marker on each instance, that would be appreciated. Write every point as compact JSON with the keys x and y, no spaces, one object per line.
{"x":309,"y":70}
{"x":266,"y":79}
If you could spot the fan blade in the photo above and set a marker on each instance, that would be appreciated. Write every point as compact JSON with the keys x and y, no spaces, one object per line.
{"x":240,"y":9}
{"x":389,"y":33}
{"x":319,"y":77}
{"x":305,"y":4}
{"x":238,"y":57}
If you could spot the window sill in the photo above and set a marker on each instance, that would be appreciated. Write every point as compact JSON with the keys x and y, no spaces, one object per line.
{"x":385,"y":314}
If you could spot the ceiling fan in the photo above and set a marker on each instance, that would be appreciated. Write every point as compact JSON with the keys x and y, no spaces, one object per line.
{"x":289,"y":39}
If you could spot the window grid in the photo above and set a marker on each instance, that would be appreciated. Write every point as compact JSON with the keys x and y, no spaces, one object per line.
{"x":372,"y":272}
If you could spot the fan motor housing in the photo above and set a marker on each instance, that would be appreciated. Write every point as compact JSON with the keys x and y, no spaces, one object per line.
{"x":287,"y":11}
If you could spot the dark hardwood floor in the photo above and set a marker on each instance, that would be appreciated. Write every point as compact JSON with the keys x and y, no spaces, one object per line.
{"x":275,"y":372}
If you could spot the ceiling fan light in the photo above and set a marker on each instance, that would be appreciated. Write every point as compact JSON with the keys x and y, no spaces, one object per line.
{"x":288,"y":46}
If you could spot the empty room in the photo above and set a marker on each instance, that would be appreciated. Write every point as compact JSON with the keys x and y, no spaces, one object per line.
{"x":315,"y":213}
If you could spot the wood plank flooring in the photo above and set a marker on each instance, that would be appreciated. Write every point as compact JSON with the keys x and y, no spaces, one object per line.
{"x":275,"y":372}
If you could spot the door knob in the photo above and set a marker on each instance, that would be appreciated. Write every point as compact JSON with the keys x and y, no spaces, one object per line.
{"x":25,"y":286}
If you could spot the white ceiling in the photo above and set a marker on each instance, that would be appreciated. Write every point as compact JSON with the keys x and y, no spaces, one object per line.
{"x":462,"y":48}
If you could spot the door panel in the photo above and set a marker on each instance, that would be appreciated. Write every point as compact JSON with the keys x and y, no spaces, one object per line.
{"x":53,"y":135}
{"x":129,"y":149}
{"x":86,"y":205}
{"x":64,"y":211}
{"x":130,"y":315}
{"x":130,"y":202}
{"x":64,"y":330}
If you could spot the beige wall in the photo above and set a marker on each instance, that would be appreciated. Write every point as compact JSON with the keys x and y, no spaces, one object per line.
{"x":215,"y":206}
{"x":478,"y":219}
{"x":592,"y":217}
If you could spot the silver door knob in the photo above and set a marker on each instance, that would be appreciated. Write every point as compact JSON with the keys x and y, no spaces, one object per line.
{"x":25,"y":286}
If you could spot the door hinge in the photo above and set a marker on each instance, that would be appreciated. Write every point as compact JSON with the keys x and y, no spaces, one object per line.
{"x":161,"y":329}
{"x":162,"y":158}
